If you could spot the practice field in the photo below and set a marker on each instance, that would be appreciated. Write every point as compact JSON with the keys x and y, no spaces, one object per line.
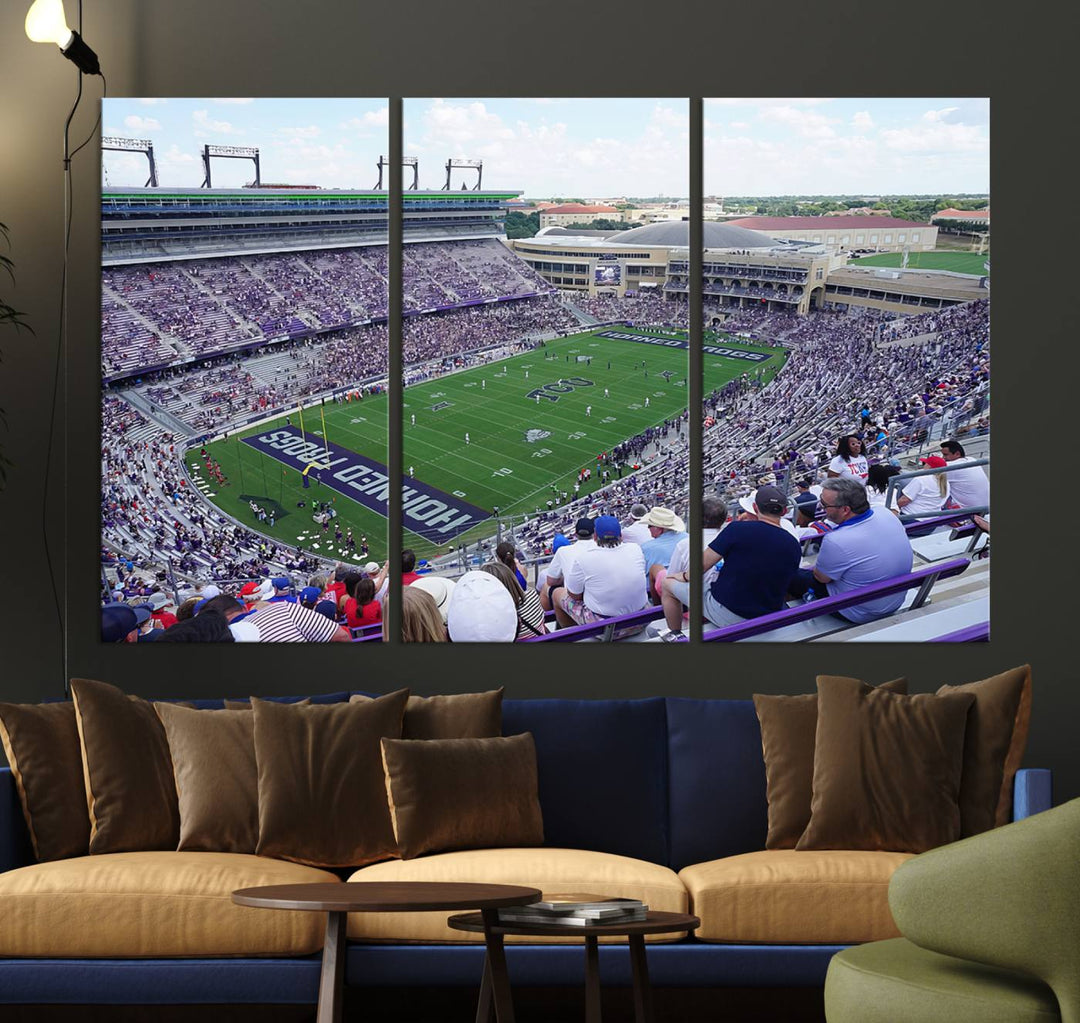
{"x":958,"y":262}
{"x":533,"y":423}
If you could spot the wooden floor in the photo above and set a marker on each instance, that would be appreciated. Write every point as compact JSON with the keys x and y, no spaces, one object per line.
{"x":458,"y":1005}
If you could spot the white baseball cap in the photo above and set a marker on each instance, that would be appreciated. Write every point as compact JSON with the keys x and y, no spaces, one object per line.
{"x":481,"y":610}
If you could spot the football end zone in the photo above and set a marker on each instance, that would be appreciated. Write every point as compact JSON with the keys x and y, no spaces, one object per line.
{"x":431,"y":513}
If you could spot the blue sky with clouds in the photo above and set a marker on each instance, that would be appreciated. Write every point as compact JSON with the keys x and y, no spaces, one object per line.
{"x":565,"y":147}
{"x":333,"y":143}
{"x":581,"y":147}
{"x":846,"y":146}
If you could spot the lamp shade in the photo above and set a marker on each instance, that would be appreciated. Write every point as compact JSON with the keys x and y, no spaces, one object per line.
{"x":45,"y":23}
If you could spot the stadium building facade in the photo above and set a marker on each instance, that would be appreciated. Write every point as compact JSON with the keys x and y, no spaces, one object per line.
{"x":843,"y":234}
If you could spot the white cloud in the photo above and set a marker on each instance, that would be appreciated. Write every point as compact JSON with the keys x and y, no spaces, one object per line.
{"x":933,"y":135}
{"x":739,"y":125}
{"x":801,"y":101}
{"x":205,"y":126}
{"x":234,"y":101}
{"x":152,"y":101}
{"x":310,"y":132}
{"x":807,"y":123}
{"x":136,"y":123}
{"x":862,"y":120}
{"x":939,"y":115}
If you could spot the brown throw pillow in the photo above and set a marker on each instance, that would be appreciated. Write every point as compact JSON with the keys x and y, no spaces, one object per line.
{"x":886,"y":769}
{"x":127,"y":770}
{"x":42,"y":746}
{"x":217,"y":781}
{"x":788,"y":724}
{"x":322,"y":797}
{"x":458,"y":716}
{"x":463,"y":793}
{"x":246,"y":704}
{"x":994,"y":745}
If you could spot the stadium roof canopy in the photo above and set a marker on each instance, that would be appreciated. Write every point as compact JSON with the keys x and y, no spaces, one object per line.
{"x":677,"y":233}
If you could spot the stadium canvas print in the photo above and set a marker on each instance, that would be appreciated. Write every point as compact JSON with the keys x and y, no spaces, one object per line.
{"x":847,"y":474}
{"x":244,"y":365}
{"x":545,"y":403}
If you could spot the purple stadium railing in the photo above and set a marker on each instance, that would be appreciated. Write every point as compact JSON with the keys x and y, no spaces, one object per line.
{"x":979,"y":633}
{"x":924,"y":578}
{"x":606,"y":628}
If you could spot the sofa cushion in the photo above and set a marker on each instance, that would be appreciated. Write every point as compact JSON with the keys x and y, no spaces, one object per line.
{"x":448,"y":794}
{"x":602,"y":772}
{"x":42,"y":746}
{"x":153,"y":904}
{"x":217,"y":781}
{"x":994,"y":742}
{"x":788,"y":727}
{"x":550,"y":870}
{"x":710,"y":743}
{"x":456,"y":716}
{"x":322,"y":794}
{"x":895,"y":980}
{"x":130,"y":790}
{"x":886,"y":768}
{"x":786,"y":897}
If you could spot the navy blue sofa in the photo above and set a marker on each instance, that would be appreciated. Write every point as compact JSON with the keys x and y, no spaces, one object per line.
{"x":671,"y":781}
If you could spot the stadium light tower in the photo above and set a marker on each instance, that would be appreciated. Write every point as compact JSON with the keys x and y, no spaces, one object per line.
{"x":477,"y":165}
{"x":406,"y":161}
{"x":145,"y":146}
{"x":229,"y":153}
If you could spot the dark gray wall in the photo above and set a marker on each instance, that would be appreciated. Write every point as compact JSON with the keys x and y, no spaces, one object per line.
{"x":341,"y":48}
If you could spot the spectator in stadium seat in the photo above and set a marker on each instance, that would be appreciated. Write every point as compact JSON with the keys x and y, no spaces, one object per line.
{"x":970,"y":487}
{"x":666,"y":530}
{"x":159,"y":604}
{"x":635,"y":530}
{"x":849,"y":459}
{"x":349,"y":577}
{"x":421,"y":621}
{"x":604,"y":581}
{"x":866,"y":546}
{"x":311,"y":597}
{"x":481,"y":610}
{"x":506,"y":552}
{"x":291,"y":623}
{"x":361,"y":607}
{"x":877,"y":483}
{"x":212,"y":627}
{"x":713,"y":518}
{"x":924,"y":494}
{"x":440,"y":589}
{"x":282,"y":591}
{"x":408,"y":567}
{"x":564,"y":559}
{"x":530,"y":612}
{"x":760,"y":558}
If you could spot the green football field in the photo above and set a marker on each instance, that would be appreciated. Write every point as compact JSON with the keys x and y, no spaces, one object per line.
{"x":958,"y":262}
{"x":533,"y":422}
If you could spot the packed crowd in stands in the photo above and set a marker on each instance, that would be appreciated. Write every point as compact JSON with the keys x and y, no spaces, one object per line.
{"x":646,"y":308}
{"x":167,"y":313}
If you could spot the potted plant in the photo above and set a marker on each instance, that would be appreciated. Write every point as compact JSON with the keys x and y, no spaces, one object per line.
{"x":8,"y":317}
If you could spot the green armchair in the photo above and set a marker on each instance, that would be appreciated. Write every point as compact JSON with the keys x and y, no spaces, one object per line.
{"x":991,"y":930}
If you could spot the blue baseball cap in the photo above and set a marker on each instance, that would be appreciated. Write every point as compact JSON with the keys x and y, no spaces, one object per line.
{"x":281,"y":582}
{"x":309,"y":594}
{"x":559,"y":541}
{"x":607,"y":526}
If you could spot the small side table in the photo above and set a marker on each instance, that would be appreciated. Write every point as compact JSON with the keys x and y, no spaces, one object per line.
{"x":495,"y":977}
{"x":337,"y":900}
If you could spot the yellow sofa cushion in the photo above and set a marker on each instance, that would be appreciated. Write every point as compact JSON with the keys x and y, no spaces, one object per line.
{"x":153,"y":904}
{"x":789,"y":897}
{"x":550,"y":870}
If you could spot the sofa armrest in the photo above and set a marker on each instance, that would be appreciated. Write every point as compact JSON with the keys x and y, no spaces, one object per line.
{"x":15,"y":847}
{"x":1032,"y":792}
{"x":1008,"y":898}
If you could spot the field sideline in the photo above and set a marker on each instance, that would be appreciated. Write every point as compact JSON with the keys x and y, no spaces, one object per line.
{"x":530,"y":432}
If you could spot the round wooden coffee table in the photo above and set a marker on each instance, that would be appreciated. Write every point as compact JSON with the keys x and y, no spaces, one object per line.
{"x":495,"y":977}
{"x":337,"y":900}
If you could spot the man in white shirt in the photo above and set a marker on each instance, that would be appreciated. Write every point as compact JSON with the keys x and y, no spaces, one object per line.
{"x":605,"y":581}
{"x":635,"y":531}
{"x":564,"y":559}
{"x":970,"y":487}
